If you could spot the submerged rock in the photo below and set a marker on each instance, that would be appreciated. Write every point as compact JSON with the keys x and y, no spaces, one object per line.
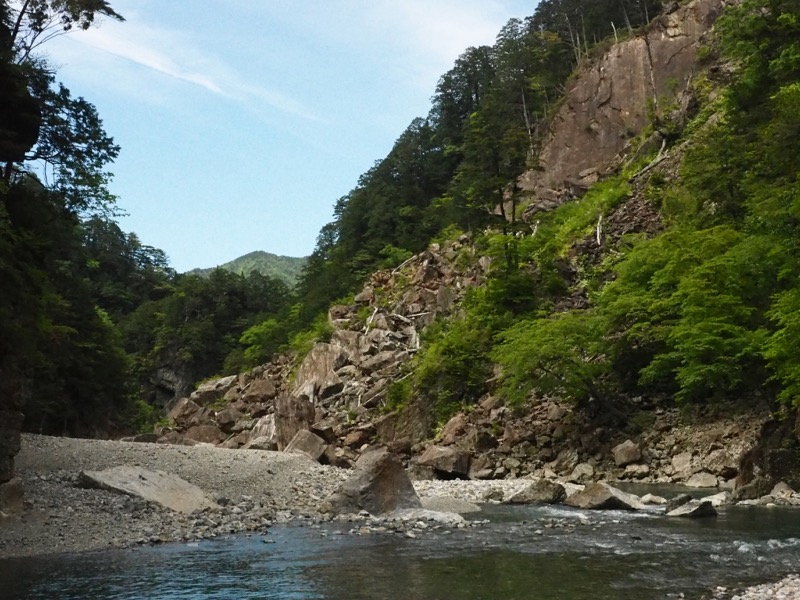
{"x":447,"y":518}
{"x":677,"y":501}
{"x":449,"y":505}
{"x":694,"y":509}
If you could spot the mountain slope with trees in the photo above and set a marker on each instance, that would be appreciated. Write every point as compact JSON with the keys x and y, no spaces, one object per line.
{"x":671,"y":279}
{"x":284,"y":268}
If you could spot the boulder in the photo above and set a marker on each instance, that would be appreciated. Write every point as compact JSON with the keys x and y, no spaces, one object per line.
{"x":542,"y":491}
{"x":305,"y":442}
{"x":205,"y":434}
{"x":720,"y":499}
{"x":358,"y":437}
{"x":760,"y":486}
{"x":454,"y":429}
{"x":636,"y":471}
{"x":447,"y":462}
{"x":626,"y":453}
{"x":677,"y":501}
{"x":156,"y":486}
{"x":226,"y":418}
{"x":292,"y":413}
{"x":597,"y":496}
{"x":259,"y":390}
{"x":264,"y":427}
{"x":694,"y":509}
{"x":338,"y":457}
{"x":261,"y":443}
{"x":324,"y":429}
{"x":211,"y":391}
{"x":582,"y":473}
{"x":653,"y":499}
{"x":565,"y":462}
{"x":380,"y":361}
{"x":682,"y":464}
{"x":183,"y":411}
{"x":702,"y":480}
{"x":316,"y":377}
{"x":720,"y":463}
{"x":782,"y":489}
{"x":379,"y":486}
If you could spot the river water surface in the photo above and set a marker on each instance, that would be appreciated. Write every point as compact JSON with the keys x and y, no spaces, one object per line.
{"x":517,"y":555}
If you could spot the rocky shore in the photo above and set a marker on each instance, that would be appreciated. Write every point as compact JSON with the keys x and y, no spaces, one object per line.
{"x":251,"y":490}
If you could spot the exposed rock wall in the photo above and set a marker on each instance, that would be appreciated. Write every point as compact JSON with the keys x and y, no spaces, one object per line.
{"x":339,"y":387}
{"x":613,"y":100}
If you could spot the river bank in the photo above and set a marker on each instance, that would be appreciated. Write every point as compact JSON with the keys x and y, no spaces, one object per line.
{"x":254,"y":490}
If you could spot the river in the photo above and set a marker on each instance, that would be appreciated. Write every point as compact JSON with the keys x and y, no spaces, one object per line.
{"x":531,"y":552}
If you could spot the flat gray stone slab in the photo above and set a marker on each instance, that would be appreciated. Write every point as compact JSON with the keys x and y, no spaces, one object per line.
{"x":156,"y":486}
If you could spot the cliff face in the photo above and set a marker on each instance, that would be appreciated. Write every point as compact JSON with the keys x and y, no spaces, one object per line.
{"x":614,"y":99}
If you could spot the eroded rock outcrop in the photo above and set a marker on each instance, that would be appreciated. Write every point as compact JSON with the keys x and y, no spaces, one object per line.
{"x":613,"y":100}
{"x":338,"y":385}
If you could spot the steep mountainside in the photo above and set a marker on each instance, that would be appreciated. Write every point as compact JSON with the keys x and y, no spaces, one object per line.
{"x":572,"y":347}
{"x":641,"y":82}
{"x":284,"y":268}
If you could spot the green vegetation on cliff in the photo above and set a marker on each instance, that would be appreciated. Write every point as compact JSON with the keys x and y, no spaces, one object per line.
{"x":705,"y":308}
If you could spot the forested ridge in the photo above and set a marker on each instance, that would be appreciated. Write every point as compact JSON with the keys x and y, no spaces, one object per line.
{"x":97,"y":331}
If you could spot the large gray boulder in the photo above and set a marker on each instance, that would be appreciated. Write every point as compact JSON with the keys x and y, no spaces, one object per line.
{"x":316,"y":377}
{"x":292,"y":413}
{"x":211,"y":391}
{"x":598,"y":496}
{"x":447,"y":462}
{"x":626,"y":453}
{"x":379,"y":485}
{"x":156,"y":486}
{"x":702,"y":480}
{"x":307,"y":443}
{"x":542,"y":491}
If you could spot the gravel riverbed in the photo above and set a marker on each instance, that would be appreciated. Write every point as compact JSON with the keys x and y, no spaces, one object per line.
{"x":254,"y":489}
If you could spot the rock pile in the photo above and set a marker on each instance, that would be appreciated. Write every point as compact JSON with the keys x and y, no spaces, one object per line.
{"x":329,"y":401}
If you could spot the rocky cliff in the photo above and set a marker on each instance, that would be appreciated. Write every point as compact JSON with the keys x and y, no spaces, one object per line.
{"x":333,"y":406}
{"x":613,"y":99}
{"x":339,"y":389}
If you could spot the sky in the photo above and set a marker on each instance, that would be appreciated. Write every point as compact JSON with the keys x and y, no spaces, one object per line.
{"x":241,"y":122}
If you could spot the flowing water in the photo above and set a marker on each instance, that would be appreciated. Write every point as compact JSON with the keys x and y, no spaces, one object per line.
{"x":517,"y":555}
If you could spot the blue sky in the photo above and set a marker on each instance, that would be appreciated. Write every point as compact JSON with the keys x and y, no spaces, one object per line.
{"x":241,"y":122}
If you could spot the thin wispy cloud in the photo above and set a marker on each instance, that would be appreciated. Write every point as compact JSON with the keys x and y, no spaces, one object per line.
{"x":123,"y":46}
{"x":429,"y":36}
{"x":174,"y":55}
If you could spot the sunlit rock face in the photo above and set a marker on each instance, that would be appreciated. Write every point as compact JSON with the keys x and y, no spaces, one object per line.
{"x":614,"y":99}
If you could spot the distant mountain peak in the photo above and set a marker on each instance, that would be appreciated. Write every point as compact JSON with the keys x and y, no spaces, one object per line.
{"x":285,"y":268}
